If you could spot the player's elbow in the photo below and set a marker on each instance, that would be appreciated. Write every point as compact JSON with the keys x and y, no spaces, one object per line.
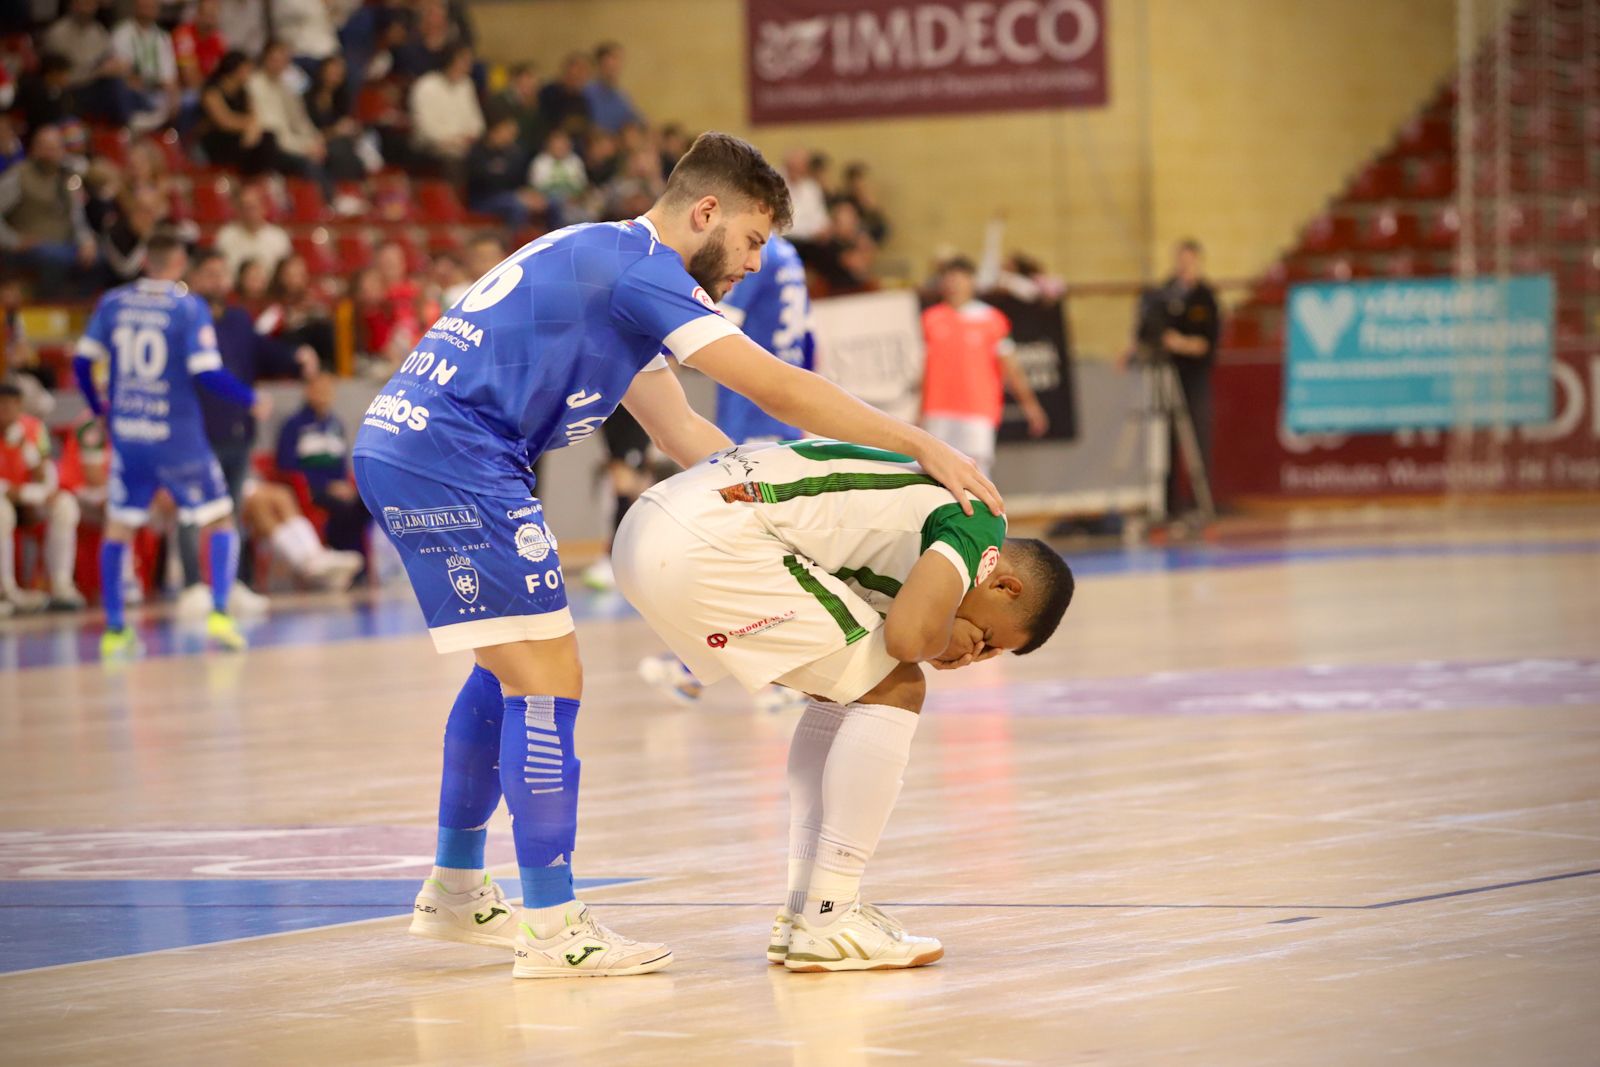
{"x":907,"y":640}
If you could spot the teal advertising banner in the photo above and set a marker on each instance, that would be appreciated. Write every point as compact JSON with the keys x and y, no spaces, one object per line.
{"x":1413,"y":354}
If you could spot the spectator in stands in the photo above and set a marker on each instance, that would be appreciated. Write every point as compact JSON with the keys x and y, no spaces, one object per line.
{"x":42,"y":225}
{"x":45,"y":97}
{"x":244,"y":25}
{"x":152,"y":67}
{"x":429,"y":45}
{"x":483,"y":252}
{"x":969,"y":367}
{"x":230,"y":132}
{"x":96,"y":71}
{"x":609,"y":105}
{"x":140,"y":211}
{"x":1183,"y":322}
{"x":271,"y":515}
{"x":640,"y":184}
{"x":231,"y":428}
{"x":559,"y":175}
{"x":519,"y":100}
{"x":450,"y":278}
{"x":401,"y":285}
{"x":857,"y":190}
{"x":842,"y":258}
{"x":350,"y":155}
{"x":806,"y":194}
{"x":601,"y":158}
{"x":251,"y":236}
{"x":445,"y":116}
{"x":385,"y":327}
{"x":497,"y":170}
{"x":313,"y":443}
{"x":563,"y":103}
{"x":250,"y":285}
{"x":198,"y":46}
{"x":30,"y":493}
{"x":674,"y":143}
{"x":306,"y":27}
{"x":297,"y":314}
{"x":279,"y":106}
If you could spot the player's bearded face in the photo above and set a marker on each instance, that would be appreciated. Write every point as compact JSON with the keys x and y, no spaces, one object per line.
{"x":715,"y":266}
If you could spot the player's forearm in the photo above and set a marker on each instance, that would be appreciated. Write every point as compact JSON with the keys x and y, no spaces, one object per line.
{"x":1017,"y":382}
{"x":83,"y":371}
{"x":693,"y":440}
{"x":816,"y":405}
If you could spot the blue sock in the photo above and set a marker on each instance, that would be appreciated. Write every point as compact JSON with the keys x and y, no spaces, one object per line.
{"x":224,"y":564}
{"x":111,"y":556}
{"x":539,"y":775}
{"x":469,"y":789}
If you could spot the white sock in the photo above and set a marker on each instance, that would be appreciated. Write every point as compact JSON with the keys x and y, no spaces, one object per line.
{"x":457,"y":880}
{"x":61,"y":542}
{"x":808,"y":754}
{"x":547,"y":922}
{"x":859,"y":787}
{"x":288,"y":541}
{"x":8,"y":546}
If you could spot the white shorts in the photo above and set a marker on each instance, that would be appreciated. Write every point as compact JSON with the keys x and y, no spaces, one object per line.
{"x":971,"y":434}
{"x":749,"y":606}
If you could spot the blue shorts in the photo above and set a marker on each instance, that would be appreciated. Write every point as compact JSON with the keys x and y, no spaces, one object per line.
{"x":191,"y":474}
{"x":483,"y":565}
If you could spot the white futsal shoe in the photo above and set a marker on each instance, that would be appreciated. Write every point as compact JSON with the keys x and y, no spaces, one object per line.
{"x":479,"y":916}
{"x":584,"y":949}
{"x":669,"y":677}
{"x":778,"y":940}
{"x":863,"y":938}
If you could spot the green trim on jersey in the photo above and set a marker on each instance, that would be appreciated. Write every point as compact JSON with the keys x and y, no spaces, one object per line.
{"x":868,"y":579}
{"x":970,"y":535}
{"x":843,"y":482}
{"x":822,"y":451}
{"x":853,"y":630}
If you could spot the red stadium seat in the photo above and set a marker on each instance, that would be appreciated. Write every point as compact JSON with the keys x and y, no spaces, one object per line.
{"x":1564,"y":172}
{"x":353,"y":251}
{"x":1443,"y":230}
{"x":306,"y":206}
{"x":437,"y":203}
{"x":1387,"y":231}
{"x":110,"y":142}
{"x":1576,"y":222}
{"x":1269,"y":288}
{"x":1328,"y":233}
{"x":1377,"y":181}
{"x":1517,"y":224}
{"x":212,"y":199}
{"x":1426,"y":135}
{"x":444,"y":239}
{"x":178,"y":161}
{"x":316,"y":249}
{"x":1432,"y":178}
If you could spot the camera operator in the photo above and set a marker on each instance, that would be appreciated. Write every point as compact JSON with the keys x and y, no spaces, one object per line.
{"x":1179,"y":323}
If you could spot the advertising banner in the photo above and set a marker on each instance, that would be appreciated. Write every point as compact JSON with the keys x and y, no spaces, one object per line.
{"x":815,"y":60}
{"x":1044,"y":352}
{"x":871,"y":346}
{"x":1417,"y":354}
{"x":1258,"y":456}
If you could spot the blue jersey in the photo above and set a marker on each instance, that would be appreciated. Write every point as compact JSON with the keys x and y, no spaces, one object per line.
{"x":537,"y":354}
{"x":157,"y":337}
{"x":775,"y":312}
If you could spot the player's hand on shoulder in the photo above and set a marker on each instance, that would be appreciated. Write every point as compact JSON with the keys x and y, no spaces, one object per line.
{"x":959,"y":474}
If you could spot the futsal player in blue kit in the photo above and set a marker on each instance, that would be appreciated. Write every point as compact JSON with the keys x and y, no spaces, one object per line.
{"x":157,"y":342}
{"x":534,"y":357}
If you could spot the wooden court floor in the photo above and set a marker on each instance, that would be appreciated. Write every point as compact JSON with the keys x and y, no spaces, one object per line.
{"x":1325,"y":793}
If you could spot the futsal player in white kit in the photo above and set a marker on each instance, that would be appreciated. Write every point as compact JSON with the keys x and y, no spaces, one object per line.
{"x":836,"y":570}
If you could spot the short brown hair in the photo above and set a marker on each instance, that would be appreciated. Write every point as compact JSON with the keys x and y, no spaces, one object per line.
{"x":722,"y":165}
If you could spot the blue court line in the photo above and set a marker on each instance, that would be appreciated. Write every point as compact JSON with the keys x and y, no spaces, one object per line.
{"x":47,"y":923}
{"x":76,"y":639}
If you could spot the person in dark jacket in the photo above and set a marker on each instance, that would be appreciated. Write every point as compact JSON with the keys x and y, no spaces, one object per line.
{"x":313,"y":443}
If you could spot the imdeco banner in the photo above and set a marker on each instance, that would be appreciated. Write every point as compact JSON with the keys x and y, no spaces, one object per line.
{"x":812,"y":60}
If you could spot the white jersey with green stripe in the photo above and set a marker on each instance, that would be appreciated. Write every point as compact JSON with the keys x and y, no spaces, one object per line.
{"x":862,"y":514}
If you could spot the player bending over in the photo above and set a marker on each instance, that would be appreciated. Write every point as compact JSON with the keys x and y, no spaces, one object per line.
{"x":534,"y":357}
{"x":158,"y":340}
{"x":836,"y":570}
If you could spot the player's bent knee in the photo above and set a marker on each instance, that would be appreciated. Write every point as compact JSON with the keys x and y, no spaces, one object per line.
{"x":905,"y":687}
{"x":543,"y":668}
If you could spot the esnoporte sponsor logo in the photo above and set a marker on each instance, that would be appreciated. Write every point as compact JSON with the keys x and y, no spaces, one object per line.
{"x":749,"y":629}
{"x":402,"y":521}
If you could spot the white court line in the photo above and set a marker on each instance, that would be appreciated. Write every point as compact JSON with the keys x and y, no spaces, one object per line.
{"x":655,"y":1033}
{"x":189,"y":1011}
{"x":871,"y":1051}
{"x":537,"y":1026}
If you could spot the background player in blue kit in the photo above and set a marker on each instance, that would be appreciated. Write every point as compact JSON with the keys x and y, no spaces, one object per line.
{"x":773,"y":307}
{"x":157,"y":340}
{"x":535,"y":356}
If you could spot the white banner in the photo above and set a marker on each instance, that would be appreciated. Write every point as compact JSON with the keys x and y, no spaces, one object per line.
{"x":871,"y":346}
